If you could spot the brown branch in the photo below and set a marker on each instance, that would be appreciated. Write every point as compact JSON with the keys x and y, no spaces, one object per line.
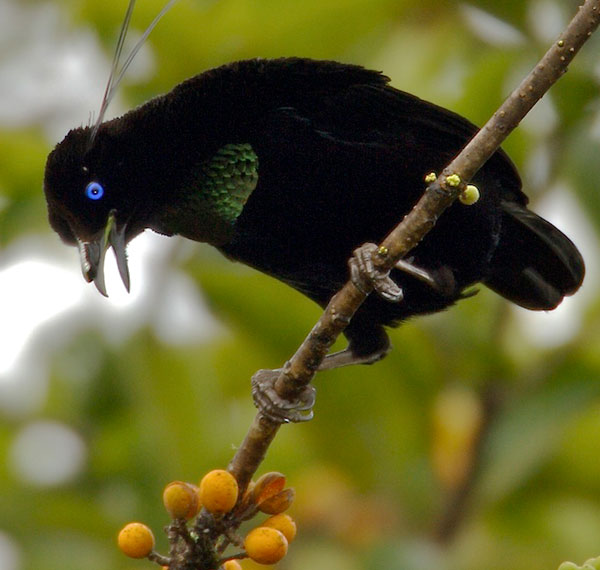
{"x":301,"y":368}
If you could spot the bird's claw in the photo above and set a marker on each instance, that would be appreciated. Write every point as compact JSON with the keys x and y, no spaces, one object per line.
{"x":276,"y":408}
{"x":364,"y":273}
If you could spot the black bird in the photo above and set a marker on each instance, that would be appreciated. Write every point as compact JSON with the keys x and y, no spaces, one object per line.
{"x":288,"y":165}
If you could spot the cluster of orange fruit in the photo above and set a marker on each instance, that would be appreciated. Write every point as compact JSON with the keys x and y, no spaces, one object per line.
{"x":218,"y":494}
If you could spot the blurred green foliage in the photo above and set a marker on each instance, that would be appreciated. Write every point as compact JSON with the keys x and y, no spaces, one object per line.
{"x":378,"y":468}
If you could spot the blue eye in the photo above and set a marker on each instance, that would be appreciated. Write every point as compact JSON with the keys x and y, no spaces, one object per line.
{"x":94,"y":191}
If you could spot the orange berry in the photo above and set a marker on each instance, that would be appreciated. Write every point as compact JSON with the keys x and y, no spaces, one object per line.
{"x":232,"y":565}
{"x":136,"y":540}
{"x":277,"y":503}
{"x":284,"y":524}
{"x":218,"y":491}
{"x":266,"y":545}
{"x":181,"y":500}
{"x":268,"y":485}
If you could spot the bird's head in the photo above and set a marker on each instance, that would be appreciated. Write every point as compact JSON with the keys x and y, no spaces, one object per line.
{"x":89,"y":204}
{"x":96,"y":188}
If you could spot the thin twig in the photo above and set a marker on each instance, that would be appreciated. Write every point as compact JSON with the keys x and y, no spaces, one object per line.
{"x":299,"y":371}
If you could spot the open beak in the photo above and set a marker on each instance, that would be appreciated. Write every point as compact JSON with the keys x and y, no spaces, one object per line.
{"x":93,"y":252}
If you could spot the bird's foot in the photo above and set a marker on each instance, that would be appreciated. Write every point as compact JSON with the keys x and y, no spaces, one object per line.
{"x":364,"y":274}
{"x":347,"y":358}
{"x":279,"y":409}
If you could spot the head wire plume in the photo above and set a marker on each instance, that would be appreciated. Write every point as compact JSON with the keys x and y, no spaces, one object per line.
{"x":117,"y":73}
{"x":93,"y":252}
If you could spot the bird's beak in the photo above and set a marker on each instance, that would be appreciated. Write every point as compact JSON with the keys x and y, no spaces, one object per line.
{"x":93,"y":252}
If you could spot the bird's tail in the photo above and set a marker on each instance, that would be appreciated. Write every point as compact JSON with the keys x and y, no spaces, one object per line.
{"x":535,"y":265}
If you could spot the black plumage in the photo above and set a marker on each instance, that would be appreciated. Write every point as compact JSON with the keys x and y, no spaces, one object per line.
{"x":287,"y":165}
